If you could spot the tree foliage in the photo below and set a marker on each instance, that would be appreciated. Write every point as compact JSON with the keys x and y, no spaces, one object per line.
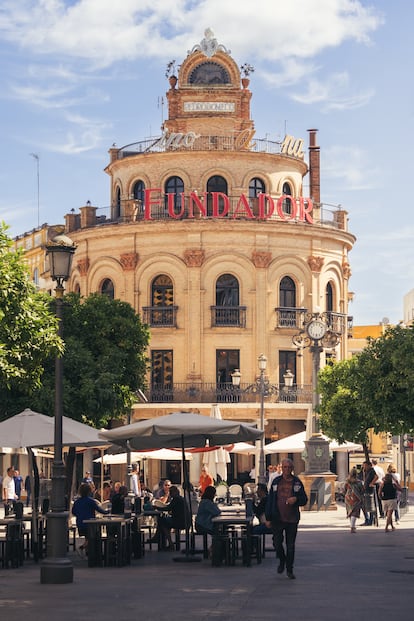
{"x":104,"y":363}
{"x":372,"y":390}
{"x":28,"y":327}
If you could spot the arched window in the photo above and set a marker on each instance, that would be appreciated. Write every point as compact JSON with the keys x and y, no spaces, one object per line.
{"x":138,"y":194}
{"x":36,"y":276}
{"x":174,"y":185}
{"x":287,"y":300}
{"x":215,"y":184}
{"x":227,"y":309}
{"x":329,"y":297}
{"x":107,"y":288}
{"x":256,"y":187}
{"x":117,"y":206}
{"x":162,"y":311}
{"x":287,"y":202}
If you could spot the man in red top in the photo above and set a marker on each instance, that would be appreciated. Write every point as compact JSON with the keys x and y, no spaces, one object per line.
{"x":205,"y":480}
{"x":286,"y":495}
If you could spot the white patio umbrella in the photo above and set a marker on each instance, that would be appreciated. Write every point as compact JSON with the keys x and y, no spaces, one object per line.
{"x":216,"y":461}
{"x":32,"y":429}
{"x":296,"y":444}
{"x":122,"y":458}
{"x":187,"y":429}
{"x":243,"y":448}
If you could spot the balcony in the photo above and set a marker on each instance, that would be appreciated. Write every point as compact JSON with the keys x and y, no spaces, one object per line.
{"x":205,"y":392}
{"x":287,"y":317}
{"x":228,"y":316}
{"x":160,"y":316}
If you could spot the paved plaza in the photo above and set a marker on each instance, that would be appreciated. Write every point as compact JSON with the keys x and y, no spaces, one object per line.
{"x":340,"y":576}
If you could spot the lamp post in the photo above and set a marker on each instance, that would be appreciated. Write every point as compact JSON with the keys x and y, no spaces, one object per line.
{"x":264,"y":389}
{"x":57,"y":568}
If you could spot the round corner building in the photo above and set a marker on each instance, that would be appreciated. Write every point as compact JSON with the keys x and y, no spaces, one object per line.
{"x":211,"y":239}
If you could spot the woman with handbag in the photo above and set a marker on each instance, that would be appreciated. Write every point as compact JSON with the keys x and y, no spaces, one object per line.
{"x":388,"y":491}
{"x":354,"y":497}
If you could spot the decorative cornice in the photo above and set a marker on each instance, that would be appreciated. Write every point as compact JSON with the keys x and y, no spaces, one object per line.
{"x":194,"y":257}
{"x":129,"y":261}
{"x":261,"y":259}
{"x":83,"y":266}
{"x":315,"y":263}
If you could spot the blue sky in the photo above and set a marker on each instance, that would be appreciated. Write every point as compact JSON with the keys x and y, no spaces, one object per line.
{"x":78,"y":76}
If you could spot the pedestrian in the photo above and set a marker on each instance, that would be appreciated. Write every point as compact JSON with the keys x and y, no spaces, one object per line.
{"x":18,"y":484}
{"x":396,"y":476}
{"x":388,"y":491}
{"x":259,"y":507}
{"x":135,"y":481}
{"x":354,"y":497}
{"x":370,"y":478}
{"x":28,"y":489}
{"x":380,"y":473}
{"x":286,"y":495}
{"x":9,"y":491}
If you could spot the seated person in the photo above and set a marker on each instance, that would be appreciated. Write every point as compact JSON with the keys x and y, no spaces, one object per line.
{"x":177,"y":519}
{"x":206,"y":511}
{"x":259,"y":510}
{"x":84,"y":508}
{"x":118,"y":500}
{"x":163,"y":493}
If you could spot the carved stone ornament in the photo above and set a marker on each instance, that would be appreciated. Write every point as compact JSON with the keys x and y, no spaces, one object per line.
{"x":83,"y":266}
{"x":194,"y":257}
{"x":261,"y":259}
{"x":209,"y":45}
{"x":316,"y":263}
{"x":129,"y":261}
{"x":346,"y":269}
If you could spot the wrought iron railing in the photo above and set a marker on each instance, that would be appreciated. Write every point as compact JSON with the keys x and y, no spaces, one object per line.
{"x":205,"y":392}
{"x":289,"y":317}
{"x":160,"y":316}
{"x":225,"y":316}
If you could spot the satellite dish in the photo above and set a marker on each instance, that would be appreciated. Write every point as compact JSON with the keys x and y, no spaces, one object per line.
{"x":385,"y":321}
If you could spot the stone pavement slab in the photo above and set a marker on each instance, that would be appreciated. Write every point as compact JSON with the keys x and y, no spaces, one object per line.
{"x":340,"y":576}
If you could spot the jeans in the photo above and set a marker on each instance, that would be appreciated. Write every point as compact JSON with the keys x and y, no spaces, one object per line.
{"x":285,"y":531}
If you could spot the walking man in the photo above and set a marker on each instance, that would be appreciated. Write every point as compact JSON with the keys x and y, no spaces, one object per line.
{"x":286,"y":495}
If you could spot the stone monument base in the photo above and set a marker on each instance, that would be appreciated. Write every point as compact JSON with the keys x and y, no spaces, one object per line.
{"x":320,"y":489}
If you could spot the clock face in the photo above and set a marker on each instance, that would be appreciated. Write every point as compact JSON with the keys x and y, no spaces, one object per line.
{"x":316,"y":329}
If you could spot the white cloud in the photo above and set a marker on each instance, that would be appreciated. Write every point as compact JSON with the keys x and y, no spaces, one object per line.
{"x":105,"y":32}
{"x":352,"y":166}
{"x":333,"y":93}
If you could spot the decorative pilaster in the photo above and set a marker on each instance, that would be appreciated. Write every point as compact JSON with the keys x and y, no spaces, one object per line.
{"x":261,"y":259}
{"x":194,"y":257}
{"x":346,"y":270}
{"x":129,"y":261}
{"x":83,"y":266}
{"x":316,"y":263}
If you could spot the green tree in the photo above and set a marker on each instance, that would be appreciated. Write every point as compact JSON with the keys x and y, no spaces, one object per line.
{"x":28,"y":329}
{"x":372,"y":390}
{"x":104,"y":363}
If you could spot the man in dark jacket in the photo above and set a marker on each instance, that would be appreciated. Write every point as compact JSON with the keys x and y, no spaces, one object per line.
{"x":286,"y":495}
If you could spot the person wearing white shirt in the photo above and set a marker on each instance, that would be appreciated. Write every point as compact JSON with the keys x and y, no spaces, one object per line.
{"x":135,"y":482}
{"x":9,"y":488}
{"x":381,"y":474}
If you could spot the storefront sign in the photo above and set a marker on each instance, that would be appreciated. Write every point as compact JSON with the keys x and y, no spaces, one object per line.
{"x":219,"y":205}
{"x":208,"y":106}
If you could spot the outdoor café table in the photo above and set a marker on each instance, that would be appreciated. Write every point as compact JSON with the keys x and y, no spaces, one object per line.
{"x":12,"y":546}
{"x":109,"y":531}
{"x":225,"y":533}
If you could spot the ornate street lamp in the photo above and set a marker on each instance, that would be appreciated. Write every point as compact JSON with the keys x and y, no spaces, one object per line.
{"x":57,"y":568}
{"x":262,"y":387}
{"x":317,"y":335}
